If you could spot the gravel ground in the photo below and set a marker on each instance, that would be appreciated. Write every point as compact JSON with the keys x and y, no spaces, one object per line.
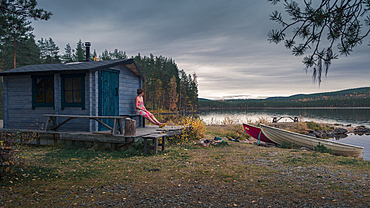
{"x":283,"y":182}
{"x":198,"y":195}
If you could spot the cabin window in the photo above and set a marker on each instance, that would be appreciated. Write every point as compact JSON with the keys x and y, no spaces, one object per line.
{"x":42,"y":91}
{"x":73,"y":90}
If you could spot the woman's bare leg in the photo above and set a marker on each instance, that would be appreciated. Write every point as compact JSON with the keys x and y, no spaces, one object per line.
{"x":153,"y":121}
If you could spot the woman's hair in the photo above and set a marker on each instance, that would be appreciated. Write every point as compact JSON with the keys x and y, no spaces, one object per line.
{"x":139,"y":91}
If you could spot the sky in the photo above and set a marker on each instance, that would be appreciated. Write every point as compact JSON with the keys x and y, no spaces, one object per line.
{"x":223,"y":41}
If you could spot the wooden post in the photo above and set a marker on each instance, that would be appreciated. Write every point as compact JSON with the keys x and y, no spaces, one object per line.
{"x":130,"y":127}
{"x":163,"y":142}
{"x":114,"y":130}
{"x":145,"y":145}
{"x":155,"y":141}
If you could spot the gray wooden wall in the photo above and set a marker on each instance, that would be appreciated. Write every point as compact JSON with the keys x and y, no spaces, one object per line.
{"x":129,"y":83}
{"x":18,"y":112}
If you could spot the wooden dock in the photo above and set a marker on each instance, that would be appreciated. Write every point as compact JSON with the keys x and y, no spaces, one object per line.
{"x":89,"y":139}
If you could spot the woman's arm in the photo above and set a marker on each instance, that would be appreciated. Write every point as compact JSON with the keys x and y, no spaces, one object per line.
{"x":137,"y":104}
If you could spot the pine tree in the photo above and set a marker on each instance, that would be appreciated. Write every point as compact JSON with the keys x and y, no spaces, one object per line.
{"x":43,"y":49}
{"x":80,"y":52}
{"x":49,"y":51}
{"x":14,"y":25}
{"x":162,"y":73}
{"x":194,"y":91}
{"x":27,"y":53}
{"x":94,"y":56}
{"x":68,"y":54}
{"x":184,"y":85}
{"x":19,"y":30}
{"x":105,"y":55}
{"x":116,"y":54}
{"x":173,"y":96}
{"x":53,"y":51}
{"x":320,"y":28}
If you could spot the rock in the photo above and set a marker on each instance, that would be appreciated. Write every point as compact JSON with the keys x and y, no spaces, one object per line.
{"x":304,"y":148}
{"x":331,"y":135}
{"x":311,"y":134}
{"x":207,"y":143}
{"x":340,"y":131}
{"x":361,"y":130}
{"x":340,"y":136}
{"x":320,"y":133}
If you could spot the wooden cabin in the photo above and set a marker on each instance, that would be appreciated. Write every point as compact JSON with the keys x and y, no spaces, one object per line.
{"x":92,"y":88}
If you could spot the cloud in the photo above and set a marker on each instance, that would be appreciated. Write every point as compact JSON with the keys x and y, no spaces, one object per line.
{"x":224,"y":42}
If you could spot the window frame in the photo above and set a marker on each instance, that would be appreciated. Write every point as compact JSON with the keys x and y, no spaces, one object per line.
{"x":63,"y":94}
{"x":34,"y":92}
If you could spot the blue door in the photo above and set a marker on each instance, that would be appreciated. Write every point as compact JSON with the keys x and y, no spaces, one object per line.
{"x":108,"y":96}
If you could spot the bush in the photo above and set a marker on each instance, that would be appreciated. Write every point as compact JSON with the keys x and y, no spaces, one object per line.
{"x":321,"y":148}
{"x":288,"y":145}
{"x":138,"y":144}
{"x":194,"y":129}
{"x":11,"y":152}
{"x":9,"y":159}
{"x":222,"y":144}
{"x":313,"y":126}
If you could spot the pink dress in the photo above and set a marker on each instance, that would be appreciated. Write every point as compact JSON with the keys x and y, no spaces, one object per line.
{"x":141,"y":112}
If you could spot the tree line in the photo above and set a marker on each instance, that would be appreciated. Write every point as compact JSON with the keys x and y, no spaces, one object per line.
{"x":348,"y":102}
{"x":166,"y":86}
{"x":357,"y":97}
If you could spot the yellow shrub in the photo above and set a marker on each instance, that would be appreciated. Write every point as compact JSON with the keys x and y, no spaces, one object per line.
{"x":195,"y":128}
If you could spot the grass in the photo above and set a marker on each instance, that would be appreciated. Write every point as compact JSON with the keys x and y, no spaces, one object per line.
{"x":303,"y":127}
{"x":230,"y":131}
{"x":232,"y":174}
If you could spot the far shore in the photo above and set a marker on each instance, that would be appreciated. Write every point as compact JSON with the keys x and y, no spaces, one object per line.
{"x":242,"y":108}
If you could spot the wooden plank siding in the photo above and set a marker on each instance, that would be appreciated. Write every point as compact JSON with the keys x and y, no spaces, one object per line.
{"x":77,"y":124}
{"x":5,"y":102}
{"x":96,"y":109}
{"x":129,"y":83}
{"x":92,"y":99}
{"x":18,"y":112}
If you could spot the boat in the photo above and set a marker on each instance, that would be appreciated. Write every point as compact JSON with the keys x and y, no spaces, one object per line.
{"x":256,"y":133}
{"x":279,"y":135}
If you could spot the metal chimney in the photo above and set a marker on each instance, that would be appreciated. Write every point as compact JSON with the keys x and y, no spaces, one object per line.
{"x":87,"y":45}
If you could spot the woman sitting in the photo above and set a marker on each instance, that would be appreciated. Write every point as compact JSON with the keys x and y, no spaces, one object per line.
{"x":141,"y":110}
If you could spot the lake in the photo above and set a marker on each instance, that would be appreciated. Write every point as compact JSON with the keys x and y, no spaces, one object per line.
{"x":344,"y":116}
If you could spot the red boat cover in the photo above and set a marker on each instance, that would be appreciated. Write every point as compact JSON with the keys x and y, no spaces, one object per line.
{"x":254,"y":132}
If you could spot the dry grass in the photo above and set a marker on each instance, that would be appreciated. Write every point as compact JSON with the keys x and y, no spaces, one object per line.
{"x":236,"y":175}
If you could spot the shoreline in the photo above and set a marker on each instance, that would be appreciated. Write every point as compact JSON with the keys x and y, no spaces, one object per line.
{"x":242,"y":108}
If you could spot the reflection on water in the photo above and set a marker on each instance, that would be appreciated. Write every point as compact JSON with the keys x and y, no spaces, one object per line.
{"x":353,"y":116}
{"x":348,"y":116}
{"x":355,"y":139}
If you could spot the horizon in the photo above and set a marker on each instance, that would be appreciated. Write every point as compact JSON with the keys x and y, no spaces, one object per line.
{"x":224,"y":43}
{"x":265,"y":97}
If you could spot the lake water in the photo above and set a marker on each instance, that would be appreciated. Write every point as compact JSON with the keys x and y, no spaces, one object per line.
{"x":344,"y":116}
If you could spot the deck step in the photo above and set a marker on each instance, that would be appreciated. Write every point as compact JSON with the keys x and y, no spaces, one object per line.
{"x":154,"y":137}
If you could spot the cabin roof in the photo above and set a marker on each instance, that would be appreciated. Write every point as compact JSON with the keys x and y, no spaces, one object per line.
{"x":73,"y":67}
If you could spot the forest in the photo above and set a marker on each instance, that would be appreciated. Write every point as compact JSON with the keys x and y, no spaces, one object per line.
{"x":359,"y":97}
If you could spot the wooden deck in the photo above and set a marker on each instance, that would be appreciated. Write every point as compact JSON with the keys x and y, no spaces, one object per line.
{"x":90,"y":139}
